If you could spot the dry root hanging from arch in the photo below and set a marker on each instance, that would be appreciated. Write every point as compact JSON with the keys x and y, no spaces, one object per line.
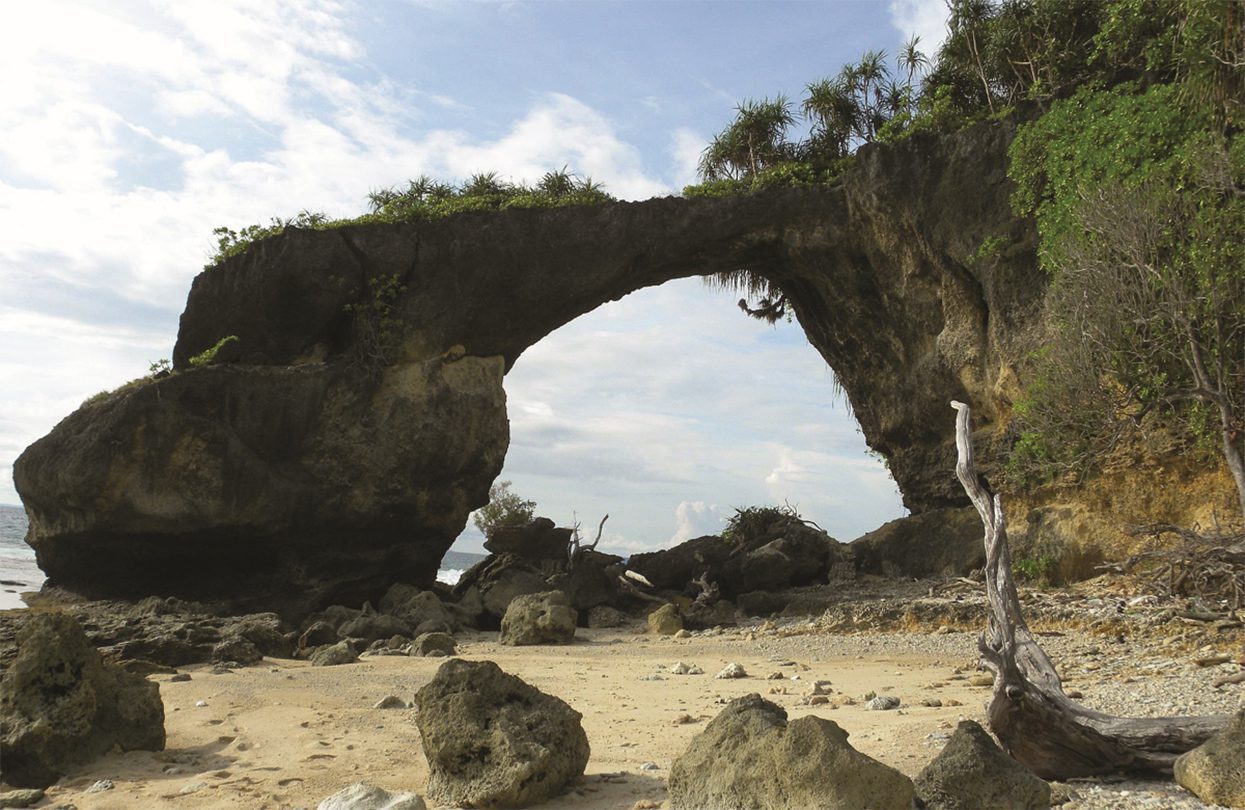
{"x":1037,"y":723}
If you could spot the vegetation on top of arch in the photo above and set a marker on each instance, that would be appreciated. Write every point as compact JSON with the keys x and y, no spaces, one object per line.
{"x":425,"y":199}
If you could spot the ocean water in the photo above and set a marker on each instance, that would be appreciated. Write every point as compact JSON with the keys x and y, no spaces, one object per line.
{"x":18,"y":571}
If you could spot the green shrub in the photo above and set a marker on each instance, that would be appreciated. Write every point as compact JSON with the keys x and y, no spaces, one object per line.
{"x":208,"y":356}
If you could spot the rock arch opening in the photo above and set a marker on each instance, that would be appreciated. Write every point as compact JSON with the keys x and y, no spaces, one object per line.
{"x":669,"y":408}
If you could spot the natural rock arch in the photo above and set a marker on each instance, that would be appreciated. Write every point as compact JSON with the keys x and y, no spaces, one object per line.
{"x":360,"y":415}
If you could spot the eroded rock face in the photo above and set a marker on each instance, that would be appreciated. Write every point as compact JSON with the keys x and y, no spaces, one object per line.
{"x":750,"y":756}
{"x":492,"y":740}
{"x":61,"y":706}
{"x":282,"y":487}
{"x":1215,"y":770}
{"x":539,"y":618}
{"x":360,"y":417}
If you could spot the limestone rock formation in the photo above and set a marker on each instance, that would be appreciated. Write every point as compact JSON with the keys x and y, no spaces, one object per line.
{"x":539,"y":618}
{"x":61,"y":706}
{"x":360,"y":416}
{"x":494,"y":741}
{"x":433,"y":644}
{"x":972,"y":771}
{"x":750,"y":756}
{"x":1215,"y":770}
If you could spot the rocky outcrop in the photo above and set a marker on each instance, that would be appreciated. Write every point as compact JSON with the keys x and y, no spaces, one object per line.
{"x":61,"y":706}
{"x":360,"y":416}
{"x":750,"y":756}
{"x":492,"y":740}
{"x":538,"y":540}
{"x":972,"y":771}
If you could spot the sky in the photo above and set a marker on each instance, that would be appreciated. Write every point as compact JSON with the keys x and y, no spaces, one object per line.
{"x":133,"y":128}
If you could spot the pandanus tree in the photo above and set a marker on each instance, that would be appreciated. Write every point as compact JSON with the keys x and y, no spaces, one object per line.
{"x":754,"y":141}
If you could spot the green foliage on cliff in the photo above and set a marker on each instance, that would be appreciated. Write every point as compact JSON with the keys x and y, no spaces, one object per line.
{"x":1138,"y":192}
{"x":426,"y":199}
{"x":208,"y":355}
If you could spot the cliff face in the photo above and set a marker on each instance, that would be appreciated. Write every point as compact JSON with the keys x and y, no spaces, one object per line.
{"x":361,"y":416}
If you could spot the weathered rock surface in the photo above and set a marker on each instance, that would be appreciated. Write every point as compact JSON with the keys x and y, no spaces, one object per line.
{"x":494,"y":741}
{"x":538,"y":540}
{"x":334,"y":655}
{"x":665,"y":621}
{"x":422,"y":610}
{"x":750,"y":756}
{"x":539,"y":618}
{"x":433,"y":644}
{"x":972,"y":772}
{"x":1215,"y":770}
{"x":362,"y":796}
{"x":343,"y":445}
{"x":61,"y":706}
{"x":495,"y":582}
{"x":940,"y":542}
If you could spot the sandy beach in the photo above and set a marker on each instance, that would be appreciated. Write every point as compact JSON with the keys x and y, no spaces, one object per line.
{"x":285,"y":734}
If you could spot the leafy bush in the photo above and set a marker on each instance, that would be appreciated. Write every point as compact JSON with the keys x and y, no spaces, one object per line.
{"x":208,"y":356}
{"x":751,"y":522}
{"x":505,"y":508}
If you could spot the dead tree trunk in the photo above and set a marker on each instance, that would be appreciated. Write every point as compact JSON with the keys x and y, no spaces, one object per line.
{"x":1036,"y":722}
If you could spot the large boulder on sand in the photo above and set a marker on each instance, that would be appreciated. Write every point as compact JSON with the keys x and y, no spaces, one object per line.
{"x":62,"y":706}
{"x":972,"y":772}
{"x":494,"y":741}
{"x":1215,"y":770}
{"x":539,"y":618}
{"x":750,"y":756}
{"x":496,"y":581}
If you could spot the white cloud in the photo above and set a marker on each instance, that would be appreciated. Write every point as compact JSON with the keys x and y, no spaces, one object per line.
{"x":695,"y":519}
{"x":924,"y":18}
{"x":685,"y":148}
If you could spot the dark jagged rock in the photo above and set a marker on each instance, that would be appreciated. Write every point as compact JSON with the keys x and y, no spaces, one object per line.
{"x":62,"y":706}
{"x":353,"y":430}
{"x":493,"y":740}
{"x":538,"y":540}
{"x":940,"y":542}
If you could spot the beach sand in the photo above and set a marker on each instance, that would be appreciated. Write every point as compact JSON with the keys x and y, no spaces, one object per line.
{"x":286,"y":734}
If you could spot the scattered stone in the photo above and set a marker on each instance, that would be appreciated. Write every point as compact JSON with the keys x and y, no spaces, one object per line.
{"x":981,"y":679}
{"x":684,"y":633}
{"x":193,"y":787}
{"x":665,"y":620}
{"x":21,"y":798}
{"x":818,"y":700}
{"x":1212,"y":660}
{"x":375,"y":626}
{"x":820,"y":688}
{"x":1215,"y":770}
{"x":434,"y":644}
{"x":362,"y":796}
{"x":539,"y":618}
{"x":971,"y":772}
{"x":684,"y":719}
{"x":390,"y":702}
{"x":180,"y":677}
{"x":1062,"y":793}
{"x":603,"y":616}
{"x":775,"y":676}
{"x":732,"y":671}
{"x":99,"y":786}
{"x":318,"y":634}
{"x":236,"y":650}
{"x":933,"y":703}
{"x":423,"y":611}
{"x":680,"y":668}
{"x":141,"y":666}
{"x":493,"y":740}
{"x":882,"y":703}
{"x":651,"y":677}
{"x":61,"y":706}
{"x":646,"y":804}
{"x":334,"y":655}
{"x":750,"y":756}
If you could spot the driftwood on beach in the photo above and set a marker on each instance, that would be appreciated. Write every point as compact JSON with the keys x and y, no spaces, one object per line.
{"x":1037,"y":723}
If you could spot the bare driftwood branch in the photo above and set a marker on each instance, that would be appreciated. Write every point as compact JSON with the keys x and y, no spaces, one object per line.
{"x":1036,"y":722}
{"x":575,"y":549}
